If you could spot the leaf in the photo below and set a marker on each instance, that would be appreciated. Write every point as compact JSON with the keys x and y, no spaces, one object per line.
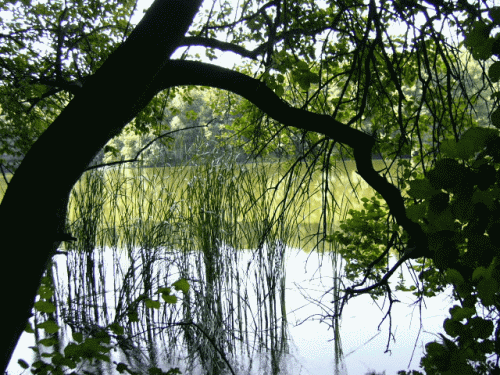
{"x":181,"y":285}
{"x":486,"y":289}
{"x":454,"y":277}
{"x":151,"y":304}
{"x":478,"y":273}
{"x":447,"y":174}
{"x":477,"y":35}
{"x":116,"y":328}
{"x":449,"y":148}
{"x":48,"y":342}
{"x":453,"y":327}
{"x":494,"y":71}
{"x":29,"y":328}
{"x":23,"y":364}
{"x":421,"y":189}
{"x":45,"y":292}
{"x":481,"y":328}
{"x":474,"y":140}
{"x":460,"y":313}
{"x":495,"y":118}
{"x":45,"y":307}
{"x":494,"y":14}
{"x":169,"y":298}
{"x":77,"y":336}
{"x":49,"y":326}
{"x":133,"y":316}
{"x":121,"y":367}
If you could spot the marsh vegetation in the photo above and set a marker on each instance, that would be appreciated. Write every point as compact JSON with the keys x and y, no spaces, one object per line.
{"x":223,"y":226}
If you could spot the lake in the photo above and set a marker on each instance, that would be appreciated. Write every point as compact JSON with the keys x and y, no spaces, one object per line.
{"x":310,"y":349}
{"x":265,"y":309}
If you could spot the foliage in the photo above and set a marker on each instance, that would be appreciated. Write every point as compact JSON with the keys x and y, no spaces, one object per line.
{"x":339,"y":60}
{"x":86,"y":348}
{"x":48,"y":51}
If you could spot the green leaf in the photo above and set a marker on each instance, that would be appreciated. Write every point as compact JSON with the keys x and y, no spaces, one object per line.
{"x":49,"y":326}
{"x":494,"y":71}
{"x":77,"y":336}
{"x":474,"y":140}
{"x":477,"y":35}
{"x":133,"y":316}
{"x":181,"y":285}
{"x":151,"y":304}
{"x":454,"y":277}
{"x":23,"y":364}
{"x":116,"y":328}
{"x":449,"y":148}
{"x":478,"y":273}
{"x":486,"y":289}
{"x":121,"y":367}
{"x":447,"y":174}
{"x":481,"y":328}
{"x":421,"y":189}
{"x":48,"y":342}
{"x":495,"y":118}
{"x":494,"y":14}
{"x":453,"y":327}
{"x":169,"y":298}
{"x":29,"y":328}
{"x":45,"y":307}
{"x":459,"y":313}
{"x":45,"y":291}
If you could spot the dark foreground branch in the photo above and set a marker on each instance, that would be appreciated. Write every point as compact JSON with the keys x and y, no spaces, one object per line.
{"x":178,"y":73}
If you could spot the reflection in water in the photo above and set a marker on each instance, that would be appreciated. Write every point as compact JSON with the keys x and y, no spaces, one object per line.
{"x":241,"y":315}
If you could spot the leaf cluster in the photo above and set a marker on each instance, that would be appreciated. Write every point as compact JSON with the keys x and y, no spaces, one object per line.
{"x":86,"y":346}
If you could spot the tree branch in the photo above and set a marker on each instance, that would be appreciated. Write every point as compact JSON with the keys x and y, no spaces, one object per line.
{"x":178,"y":73}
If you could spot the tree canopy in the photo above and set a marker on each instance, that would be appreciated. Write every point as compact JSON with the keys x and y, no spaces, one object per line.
{"x":320,"y":80}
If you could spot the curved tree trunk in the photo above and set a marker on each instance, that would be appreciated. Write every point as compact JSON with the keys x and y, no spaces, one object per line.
{"x":33,"y":210}
{"x":34,"y":207}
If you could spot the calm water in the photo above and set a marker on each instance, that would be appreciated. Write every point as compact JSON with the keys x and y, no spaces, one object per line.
{"x":310,"y":343}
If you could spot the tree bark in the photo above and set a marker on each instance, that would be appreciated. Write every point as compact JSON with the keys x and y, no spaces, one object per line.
{"x":33,"y":209}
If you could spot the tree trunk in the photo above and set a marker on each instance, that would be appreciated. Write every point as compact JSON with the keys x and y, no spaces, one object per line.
{"x":33,"y":210}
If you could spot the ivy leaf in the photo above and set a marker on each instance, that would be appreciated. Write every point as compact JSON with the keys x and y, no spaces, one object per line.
{"x":48,"y":342}
{"x":29,"y":328}
{"x":453,"y":327}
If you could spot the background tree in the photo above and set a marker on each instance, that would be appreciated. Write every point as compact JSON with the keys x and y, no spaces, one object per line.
{"x":321,"y":68}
